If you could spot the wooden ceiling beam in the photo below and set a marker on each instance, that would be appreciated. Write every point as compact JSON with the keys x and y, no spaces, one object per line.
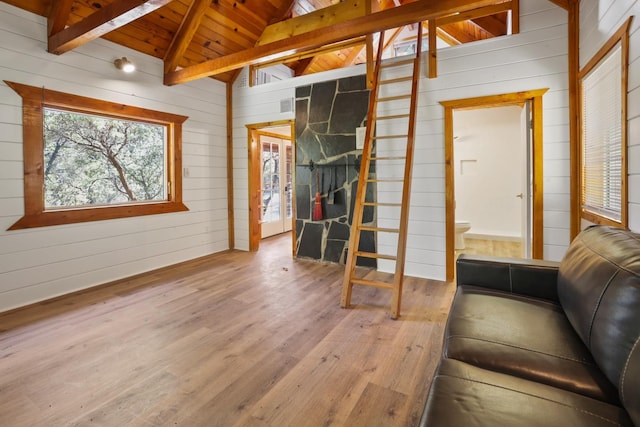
{"x":303,"y":66}
{"x":442,"y":34}
{"x":420,"y":10}
{"x":322,"y":18}
{"x":101,"y":22}
{"x":452,"y":35}
{"x":475,"y":13}
{"x":314,"y":52}
{"x":58,"y":16}
{"x":458,"y":32}
{"x":284,"y":12}
{"x":448,"y":38}
{"x":491,"y":25}
{"x":185,"y":33}
{"x":234,"y":76}
{"x":356,"y":51}
{"x":397,"y":3}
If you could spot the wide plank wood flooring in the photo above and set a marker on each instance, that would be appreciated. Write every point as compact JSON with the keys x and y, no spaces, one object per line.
{"x":233,"y":339}
{"x":499,"y":248}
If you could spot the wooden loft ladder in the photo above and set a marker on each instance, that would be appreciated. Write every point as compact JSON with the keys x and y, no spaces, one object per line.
{"x":390,"y":93}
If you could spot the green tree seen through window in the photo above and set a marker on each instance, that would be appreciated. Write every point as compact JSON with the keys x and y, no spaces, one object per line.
{"x":95,"y":160}
{"x":87,"y":159}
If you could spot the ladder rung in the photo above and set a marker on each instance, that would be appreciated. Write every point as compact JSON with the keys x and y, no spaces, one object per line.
{"x":390,"y":136}
{"x":373,"y":283}
{"x":379,"y":229}
{"x":397,"y":63}
{"x":405,"y":92}
{"x":396,"y":205}
{"x":394,"y":98}
{"x":386,"y":180}
{"x":375,"y":255}
{"x":388,"y":158}
{"x":397,"y":116}
{"x":398,"y":80}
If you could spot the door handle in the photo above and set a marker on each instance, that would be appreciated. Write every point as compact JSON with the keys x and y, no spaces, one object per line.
{"x":520,"y":196}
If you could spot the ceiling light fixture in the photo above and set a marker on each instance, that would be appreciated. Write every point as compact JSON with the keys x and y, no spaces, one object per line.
{"x":124,"y":64}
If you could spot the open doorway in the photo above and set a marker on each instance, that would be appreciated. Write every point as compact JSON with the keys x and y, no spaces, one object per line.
{"x":493,"y":174}
{"x":276,"y":178}
{"x":271,"y":181}
{"x":492,"y":185}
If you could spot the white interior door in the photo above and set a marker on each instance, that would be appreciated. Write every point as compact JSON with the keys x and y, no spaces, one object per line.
{"x":276,"y":178}
{"x":527,"y":180}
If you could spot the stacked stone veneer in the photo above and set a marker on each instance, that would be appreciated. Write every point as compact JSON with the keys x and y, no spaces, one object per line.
{"x":327,"y":115}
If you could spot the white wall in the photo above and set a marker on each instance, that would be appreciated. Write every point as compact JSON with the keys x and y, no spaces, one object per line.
{"x":488,"y":170}
{"x":261,"y":104}
{"x":40,"y":263}
{"x":599,"y":20}
{"x":534,"y":59}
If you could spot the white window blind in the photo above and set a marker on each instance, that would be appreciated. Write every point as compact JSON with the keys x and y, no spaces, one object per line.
{"x":602,"y":150}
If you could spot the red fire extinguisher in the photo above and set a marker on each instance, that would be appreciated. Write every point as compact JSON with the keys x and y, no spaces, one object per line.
{"x":317,"y":207}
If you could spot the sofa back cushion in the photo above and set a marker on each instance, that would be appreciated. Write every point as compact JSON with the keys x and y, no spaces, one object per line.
{"x":599,"y":289}
{"x":630,"y":387}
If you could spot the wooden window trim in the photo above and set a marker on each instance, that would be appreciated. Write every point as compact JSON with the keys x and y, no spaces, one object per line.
{"x":621,"y":36}
{"x":34,"y":100}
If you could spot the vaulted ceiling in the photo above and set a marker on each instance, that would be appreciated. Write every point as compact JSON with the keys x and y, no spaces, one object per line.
{"x":216,"y":38}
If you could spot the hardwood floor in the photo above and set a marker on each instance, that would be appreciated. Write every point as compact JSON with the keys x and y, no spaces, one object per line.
{"x":234,"y":339}
{"x":500,"y":248}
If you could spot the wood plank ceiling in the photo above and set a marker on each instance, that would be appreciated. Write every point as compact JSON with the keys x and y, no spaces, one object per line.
{"x":216,"y":38}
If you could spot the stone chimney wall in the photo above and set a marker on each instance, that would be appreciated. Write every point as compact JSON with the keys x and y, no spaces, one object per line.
{"x":327,"y":115}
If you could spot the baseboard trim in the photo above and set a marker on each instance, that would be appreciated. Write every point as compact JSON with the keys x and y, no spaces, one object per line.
{"x":194,"y":261}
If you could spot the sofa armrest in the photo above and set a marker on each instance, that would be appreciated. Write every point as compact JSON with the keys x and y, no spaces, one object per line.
{"x":528,"y":277}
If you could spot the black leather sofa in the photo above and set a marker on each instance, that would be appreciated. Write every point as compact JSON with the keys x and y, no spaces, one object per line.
{"x":532,"y":343}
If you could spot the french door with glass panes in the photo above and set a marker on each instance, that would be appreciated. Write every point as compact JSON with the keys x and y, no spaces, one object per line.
{"x":276,"y":208}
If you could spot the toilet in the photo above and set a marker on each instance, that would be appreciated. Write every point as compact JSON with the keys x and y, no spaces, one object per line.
{"x":461,"y":228}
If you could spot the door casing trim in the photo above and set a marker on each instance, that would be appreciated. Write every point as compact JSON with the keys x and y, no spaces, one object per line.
{"x":254,"y":164}
{"x":514,"y":98}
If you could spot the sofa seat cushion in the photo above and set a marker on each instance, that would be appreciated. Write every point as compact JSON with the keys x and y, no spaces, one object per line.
{"x":527,"y":337}
{"x":465,"y":395}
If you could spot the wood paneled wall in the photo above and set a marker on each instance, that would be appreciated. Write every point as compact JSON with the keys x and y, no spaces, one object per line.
{"x":536,"y":58}
{"x":40,"y":263}
{"x":261,"y":104}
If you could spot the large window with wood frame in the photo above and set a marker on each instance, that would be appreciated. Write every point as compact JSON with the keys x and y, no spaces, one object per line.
{"x":603,"y":145}
{"x":89,"y":160}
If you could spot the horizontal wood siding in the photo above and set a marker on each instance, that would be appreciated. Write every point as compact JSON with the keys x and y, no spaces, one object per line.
{"x":598,"y":22}
{"x":261,"y":104}
{"x":37,"y":264}
{"x":534,"y":59}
